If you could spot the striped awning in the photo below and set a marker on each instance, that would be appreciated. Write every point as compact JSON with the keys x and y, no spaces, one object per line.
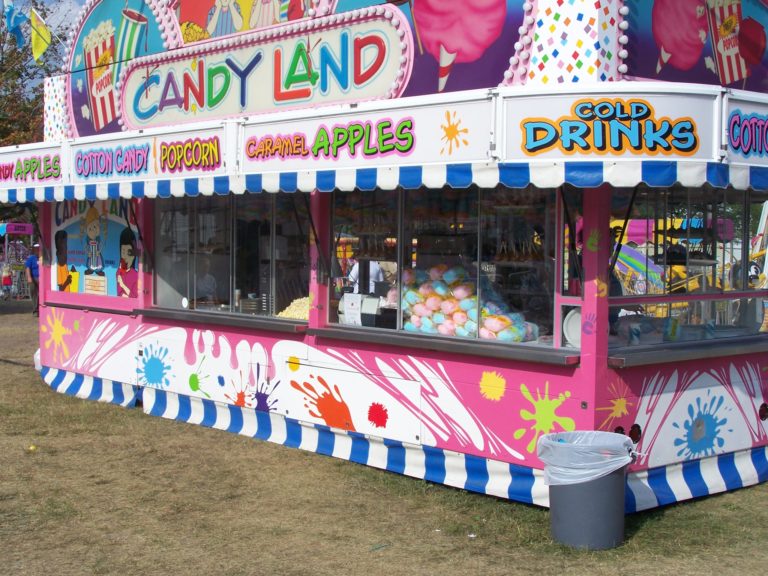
{"x":483,"y":174}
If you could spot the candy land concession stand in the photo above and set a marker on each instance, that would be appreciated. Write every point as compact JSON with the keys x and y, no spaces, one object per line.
{"x":417,"y":235}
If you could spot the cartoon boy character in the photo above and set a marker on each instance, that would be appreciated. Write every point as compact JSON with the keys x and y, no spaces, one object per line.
{"x":92,"y":222}
{"x":224,"y":18}
{"x":63,"y":275}
{"x":127,"y":273}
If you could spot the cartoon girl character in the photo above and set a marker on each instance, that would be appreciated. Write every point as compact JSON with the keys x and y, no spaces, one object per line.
{"x":63,"y":275}
{"x":127,"y":273}
{"x":224,"y":18}
{"x":92,"y":224}
{"x":265,"y":13}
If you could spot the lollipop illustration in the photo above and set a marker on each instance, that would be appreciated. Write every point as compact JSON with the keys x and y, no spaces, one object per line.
{"x":457,"y":31}
{"x":680,"y":29}
{"x":752,"y":41}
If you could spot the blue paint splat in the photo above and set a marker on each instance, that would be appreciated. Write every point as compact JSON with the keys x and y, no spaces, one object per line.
{"x":154,"y":367}
{"x":221,"y":381}
{"x":701,"y":431}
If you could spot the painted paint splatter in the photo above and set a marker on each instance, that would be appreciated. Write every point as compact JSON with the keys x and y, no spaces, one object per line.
{"x":493,"y":386}
{"x":618,"y":407}
{"x":378,"y":415}
{"x":325,"y":403}
{"x":700,"y":432}
{"x":544,"y":415}
{"x":57,"y":335}
{"x":264,"y":391}
{"x":241,"y":395}
{"x":154,"y":367}
{"x":195,"y":379}
{"x":453,"y":133}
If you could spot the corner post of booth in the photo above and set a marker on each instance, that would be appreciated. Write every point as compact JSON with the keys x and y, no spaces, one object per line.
{"x":320,"y":211}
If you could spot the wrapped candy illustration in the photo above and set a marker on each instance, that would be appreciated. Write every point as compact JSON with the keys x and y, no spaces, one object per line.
{"x":129,"y":38}
{"x":458,"y":31}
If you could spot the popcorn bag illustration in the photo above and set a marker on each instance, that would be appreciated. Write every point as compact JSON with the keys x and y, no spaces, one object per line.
{"x":99,"y":49}
{"x":724,"y":22}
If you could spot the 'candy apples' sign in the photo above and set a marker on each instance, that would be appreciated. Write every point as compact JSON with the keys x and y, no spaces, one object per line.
{"x":362,"y":55}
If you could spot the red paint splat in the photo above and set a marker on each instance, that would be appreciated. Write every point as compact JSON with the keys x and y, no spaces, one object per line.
{"x":378,"y":415}
{"x":241,"y":397}
{"x":326,"y":404}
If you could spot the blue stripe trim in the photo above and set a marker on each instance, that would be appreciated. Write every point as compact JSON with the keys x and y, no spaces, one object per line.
{"x":57,"y":380}
{"x":515,"y":175}
{"x":185,"y":408}
{"x":584,"y":174}
{"x":477,"y":473}
{"x":326,"y":180}
{"x":221,"y":185}
{"x":74,"y":386}
{"x":326,"y":440}
{"x":411,"y":177}
{"x":158,"y":407}
{"x":434,"y":464}
{"x":727,"y":466}
{"x":458,"y":175}
{"x":96,"y":389}
{"x":44,"y":371}
{"x":164,"y":188}
{"x":118,"y":395}
{"x":718,"y":175}
{"x":758,"y":177}
{"x":360,"y":448}
{"x":630,"y":503}
{"x":253,"y":183}
{"x":693,"y":478}
{"x":658,"y":173}
{"x":760,"y":462}
{"x":137,"y":189}
{"x":235,"y":419}
{"x":12,"y":195}
{"x":521,"y":487}
{"x":49,"y":194}
{"x":90,"y":191}
{"x":30,"y":194}
{"x":293,"y":433}
{"x":657,"y":480}
{"x":209,"y":413}
{"x":263,"y":425}
{"x":69,"y":192}
{"x":113,"y":190}
{"x":191,"y":187}
{"x":365,"y":178}
{"x":289,"y":181}
{"x":395,"y":456}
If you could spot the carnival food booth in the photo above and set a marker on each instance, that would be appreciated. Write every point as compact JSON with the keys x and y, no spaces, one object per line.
{"x":417,"y":235}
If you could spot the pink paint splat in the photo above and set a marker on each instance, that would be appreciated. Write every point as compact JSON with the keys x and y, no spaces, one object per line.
{"x":233,"y":362}
{"x":190,"y":354}
{"x":200,"y":342}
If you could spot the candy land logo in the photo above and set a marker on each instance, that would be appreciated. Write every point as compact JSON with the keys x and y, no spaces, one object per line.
{"x":364,"y":59}
{"x":610,"y":126}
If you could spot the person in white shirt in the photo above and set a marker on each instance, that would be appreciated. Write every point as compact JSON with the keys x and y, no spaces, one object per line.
{"x":375,"y":274}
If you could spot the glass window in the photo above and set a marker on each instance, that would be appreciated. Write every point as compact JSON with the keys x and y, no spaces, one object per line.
{"x":474,"y":263}
{"x":690,"y":247}
{"x":238,"y":254}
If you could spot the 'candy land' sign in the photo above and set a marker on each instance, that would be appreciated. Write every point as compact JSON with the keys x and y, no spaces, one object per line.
{"x":327,"y":60}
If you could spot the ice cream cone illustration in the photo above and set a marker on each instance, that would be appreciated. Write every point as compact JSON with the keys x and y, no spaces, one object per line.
{"x":446,"y":62}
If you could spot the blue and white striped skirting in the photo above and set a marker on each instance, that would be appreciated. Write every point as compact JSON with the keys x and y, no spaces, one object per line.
{"x":645,"y":490}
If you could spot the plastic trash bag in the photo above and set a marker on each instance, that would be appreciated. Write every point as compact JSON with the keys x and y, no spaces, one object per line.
{"x":36,"y":359}
{"x":575,"y":457}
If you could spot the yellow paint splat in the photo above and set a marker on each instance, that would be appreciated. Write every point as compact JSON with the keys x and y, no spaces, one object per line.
{"x":544,"y":415}
{"x":294,"y":363}
{"x":493,"y":386}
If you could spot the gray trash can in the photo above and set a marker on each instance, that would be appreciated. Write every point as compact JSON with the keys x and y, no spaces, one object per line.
{"x":586,"y":474}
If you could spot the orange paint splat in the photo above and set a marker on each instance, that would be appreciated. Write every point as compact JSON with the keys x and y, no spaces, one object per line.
{"x":241,"y":397}
{"x":326,"y":404}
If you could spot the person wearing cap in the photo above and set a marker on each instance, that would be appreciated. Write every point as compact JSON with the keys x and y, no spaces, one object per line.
{"x":33,"y":276}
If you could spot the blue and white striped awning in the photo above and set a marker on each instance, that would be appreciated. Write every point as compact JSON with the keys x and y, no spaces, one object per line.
{"x":484,"y":174}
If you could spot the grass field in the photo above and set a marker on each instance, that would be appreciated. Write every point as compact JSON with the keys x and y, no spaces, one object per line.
{"x":113,"y":491}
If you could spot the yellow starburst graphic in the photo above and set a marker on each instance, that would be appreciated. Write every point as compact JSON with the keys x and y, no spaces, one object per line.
{"x":619,"y":405}
{"x":601,"y":286}
{"x":544,"y":415}
{"x":453,"y":133}
{"x":57,"y":333}
{"x":493,"y":386}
